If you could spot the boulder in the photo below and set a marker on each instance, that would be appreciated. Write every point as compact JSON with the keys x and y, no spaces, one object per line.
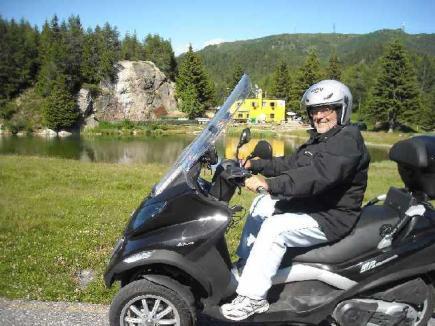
{"x":90,"y":122}
{"x":64,"y":133}
{"x":139,"y":92}
{"x":46,"y":133}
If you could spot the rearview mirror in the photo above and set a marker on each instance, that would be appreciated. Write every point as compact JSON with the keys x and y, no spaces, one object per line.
{"x":245,"y":137}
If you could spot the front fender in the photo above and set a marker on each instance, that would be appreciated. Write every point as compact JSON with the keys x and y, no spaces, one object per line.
{"x":152,"y":257}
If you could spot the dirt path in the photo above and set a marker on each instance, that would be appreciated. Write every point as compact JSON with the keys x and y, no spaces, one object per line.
{"x":37,"y":313}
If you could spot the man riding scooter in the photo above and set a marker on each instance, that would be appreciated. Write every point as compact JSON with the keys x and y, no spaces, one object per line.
{"x":314,"y":198}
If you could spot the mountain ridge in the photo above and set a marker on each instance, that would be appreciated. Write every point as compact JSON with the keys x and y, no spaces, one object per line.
{"x":259,"y":56}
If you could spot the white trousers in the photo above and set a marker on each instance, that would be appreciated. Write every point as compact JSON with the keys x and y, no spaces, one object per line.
{"x":264,"y":241}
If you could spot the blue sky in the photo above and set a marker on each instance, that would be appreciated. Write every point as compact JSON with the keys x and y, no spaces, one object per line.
{"x":205,"y":22}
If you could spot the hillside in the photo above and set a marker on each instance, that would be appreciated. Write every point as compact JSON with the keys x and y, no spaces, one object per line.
{"x":259,"y":56}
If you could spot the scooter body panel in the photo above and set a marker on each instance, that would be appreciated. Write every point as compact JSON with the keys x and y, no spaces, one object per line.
{"x":189,"y":236}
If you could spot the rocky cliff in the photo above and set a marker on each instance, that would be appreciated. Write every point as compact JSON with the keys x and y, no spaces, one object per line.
{"x":140,"y":92}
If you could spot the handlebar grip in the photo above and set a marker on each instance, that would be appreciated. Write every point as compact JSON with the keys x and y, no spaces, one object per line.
{"x":262,"y":190}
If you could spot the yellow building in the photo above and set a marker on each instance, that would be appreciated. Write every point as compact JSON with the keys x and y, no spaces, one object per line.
{"x":259,"y":109}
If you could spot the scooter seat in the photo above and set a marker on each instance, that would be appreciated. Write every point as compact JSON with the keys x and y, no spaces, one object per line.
{"x":364,"y":238}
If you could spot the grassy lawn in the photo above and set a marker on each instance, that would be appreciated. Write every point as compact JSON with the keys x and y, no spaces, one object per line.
{"x":58,"y":217}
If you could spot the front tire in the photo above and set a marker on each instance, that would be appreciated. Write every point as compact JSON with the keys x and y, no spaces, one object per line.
{"x":146,"y":303}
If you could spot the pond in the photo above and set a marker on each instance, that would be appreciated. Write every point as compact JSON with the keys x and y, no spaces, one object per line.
{"x":140,"y":149}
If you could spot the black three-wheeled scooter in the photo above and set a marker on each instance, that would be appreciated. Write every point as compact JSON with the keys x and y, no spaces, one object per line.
{"x":173,"y":262}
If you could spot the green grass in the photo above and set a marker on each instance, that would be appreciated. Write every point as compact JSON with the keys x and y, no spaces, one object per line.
{"x":59,"y":216}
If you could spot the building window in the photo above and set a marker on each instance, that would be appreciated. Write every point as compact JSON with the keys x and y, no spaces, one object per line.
{"x":240,"y":115}
{"x":272,"y":104}
{"x":272,"y":115}
{"x":247,"y":116}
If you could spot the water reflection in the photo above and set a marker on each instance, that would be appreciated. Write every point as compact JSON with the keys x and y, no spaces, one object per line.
{"x":285,"y":146}
{"x":100,"y":149}
{"x":142,"y":150}
{"x":245,"y":150}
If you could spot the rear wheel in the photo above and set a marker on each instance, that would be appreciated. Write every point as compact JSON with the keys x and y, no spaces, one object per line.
{"x":386,"y":313}
{"x":145,"y":303}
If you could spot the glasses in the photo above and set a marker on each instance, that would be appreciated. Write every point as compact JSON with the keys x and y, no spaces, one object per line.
{"x":325,"y":110}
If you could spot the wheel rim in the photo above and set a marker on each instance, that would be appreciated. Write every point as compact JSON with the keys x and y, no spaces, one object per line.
{"x":421,"y":313}
{"x":149,"y":310}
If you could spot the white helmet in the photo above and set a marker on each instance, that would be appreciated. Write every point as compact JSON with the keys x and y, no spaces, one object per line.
{"x":329,"y":92}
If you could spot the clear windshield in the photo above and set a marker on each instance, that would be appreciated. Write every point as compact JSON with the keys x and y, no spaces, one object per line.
{"x":208,"y":136}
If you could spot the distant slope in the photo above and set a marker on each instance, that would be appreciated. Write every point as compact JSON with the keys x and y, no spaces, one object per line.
{"x":259,"y":56}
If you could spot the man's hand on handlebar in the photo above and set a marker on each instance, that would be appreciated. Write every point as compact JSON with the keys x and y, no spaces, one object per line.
{"x":255,"y":183}
{"x":246,"y":164}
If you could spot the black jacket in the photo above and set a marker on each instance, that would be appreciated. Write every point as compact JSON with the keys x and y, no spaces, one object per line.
{"x":325,"y":178}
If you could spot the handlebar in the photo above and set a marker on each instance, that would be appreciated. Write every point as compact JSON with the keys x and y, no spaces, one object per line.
{"x":238,"y":176}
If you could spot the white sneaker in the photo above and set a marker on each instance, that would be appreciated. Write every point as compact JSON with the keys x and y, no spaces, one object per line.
{"x":242,"y":307}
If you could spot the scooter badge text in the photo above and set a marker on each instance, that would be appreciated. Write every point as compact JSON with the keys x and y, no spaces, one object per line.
{"x":373,"y":264}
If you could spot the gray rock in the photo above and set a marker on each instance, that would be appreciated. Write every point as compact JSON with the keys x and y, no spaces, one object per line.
{"x":64,"y":133}
{"x":45,"y":133}
{"x":85,"y":277}
{"x":84,"y":101}
{"x":140,"y":92}
{"x":90,"y":122}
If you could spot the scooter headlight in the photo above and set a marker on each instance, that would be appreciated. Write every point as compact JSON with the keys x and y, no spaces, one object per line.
{"x":138,"y":256}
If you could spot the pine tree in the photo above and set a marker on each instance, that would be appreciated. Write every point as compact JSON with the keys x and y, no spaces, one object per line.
{"x":395,"y":96}
{"x":359,"y":79}
{"x":160,"y":52}
{"x":109,"y":50}
{"x":61,"y":111}
{"x":334,"y":69}
{"x":190,"y":103}
{"x":18,"y":57}
{"x":131,"y":48}
{"x":427,"y":116}
{"x":51,"y":56}
{"x":307,"y":75}
{"x":192,"y":75}
{"x":90,"y":57}
{"x":73,"y":37}
{"x":281,"y":83}
{"x":235,"y":77}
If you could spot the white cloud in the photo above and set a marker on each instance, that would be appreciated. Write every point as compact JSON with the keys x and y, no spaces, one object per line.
{"x":214,"y":41}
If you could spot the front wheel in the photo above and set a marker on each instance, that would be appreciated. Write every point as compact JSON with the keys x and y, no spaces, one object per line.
{"x":145,"y":303}
{"x":425,"y":309}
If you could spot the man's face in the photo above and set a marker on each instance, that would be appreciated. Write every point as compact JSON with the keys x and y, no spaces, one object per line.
{"x":324,"y":118}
